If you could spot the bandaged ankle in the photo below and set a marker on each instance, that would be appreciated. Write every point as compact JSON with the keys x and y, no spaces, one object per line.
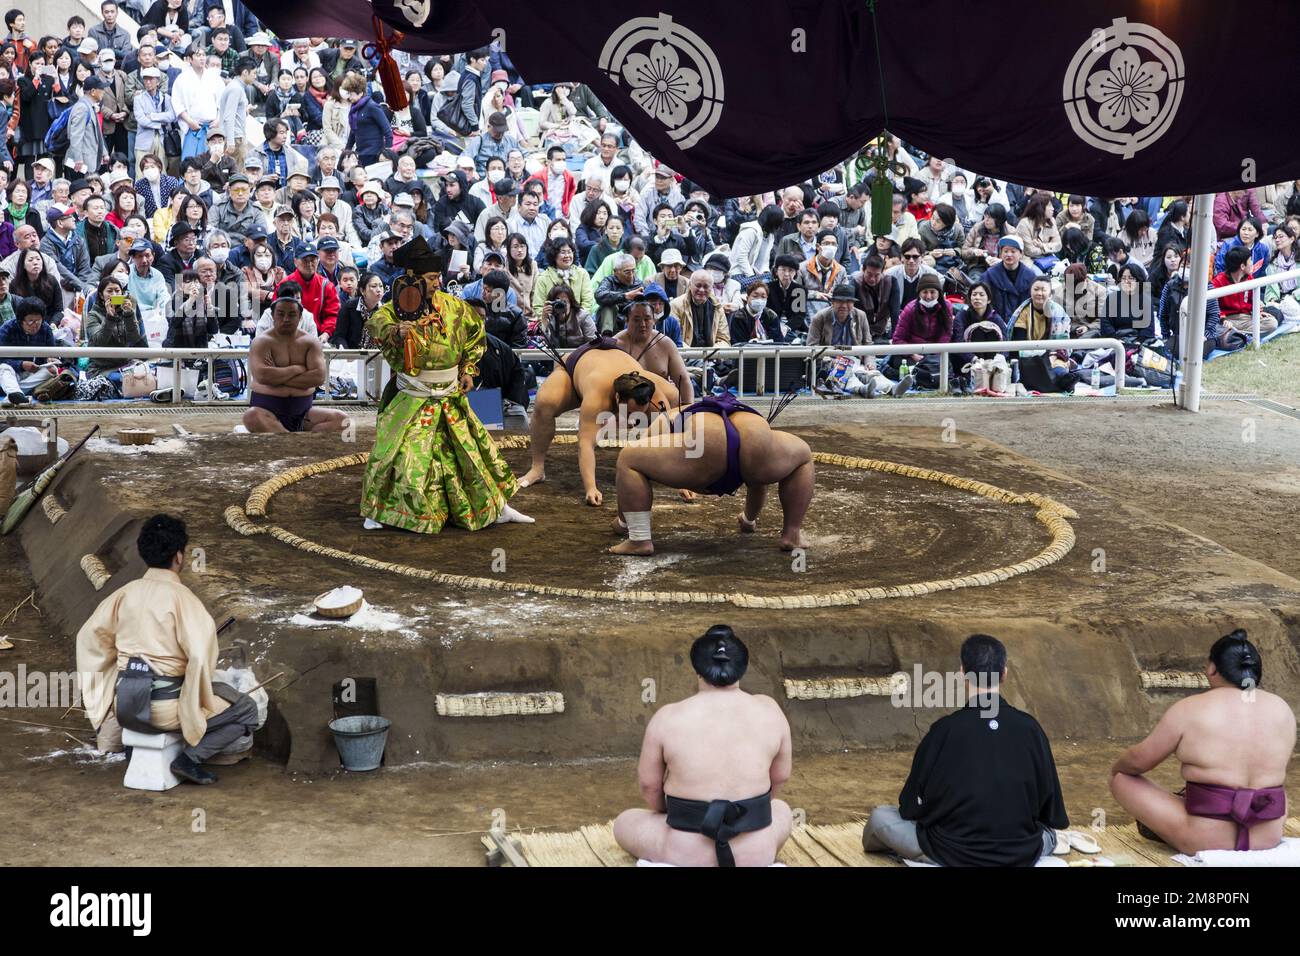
{"x":638,"y":525}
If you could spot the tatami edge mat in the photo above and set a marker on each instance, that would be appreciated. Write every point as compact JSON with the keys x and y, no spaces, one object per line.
{"x":838,"y":844}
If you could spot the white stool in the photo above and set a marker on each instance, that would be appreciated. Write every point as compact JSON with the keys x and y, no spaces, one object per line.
{"x":151,"y":759}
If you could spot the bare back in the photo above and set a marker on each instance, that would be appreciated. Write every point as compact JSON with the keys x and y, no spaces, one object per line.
{"x":1234,"y":738}
{"x":721,"y":745}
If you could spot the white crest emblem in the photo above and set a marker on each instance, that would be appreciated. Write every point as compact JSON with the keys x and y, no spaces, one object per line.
{"x":1123,"y":87}
{"x":670,"y":73}
{"x":415,"y":11}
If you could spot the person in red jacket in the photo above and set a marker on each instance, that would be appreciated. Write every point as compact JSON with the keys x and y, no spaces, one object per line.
{"x":557,"y":182}
{"x":319,"y":296}
{"x":1235,"y":309}
{"x":1231,"y":208}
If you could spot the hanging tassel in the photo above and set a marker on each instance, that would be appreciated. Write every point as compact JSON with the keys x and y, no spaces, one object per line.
{"x":389,"y":75}
{"x":882,"y":203}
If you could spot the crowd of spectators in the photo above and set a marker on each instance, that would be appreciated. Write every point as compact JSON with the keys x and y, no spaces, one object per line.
{"x":166,"y":176}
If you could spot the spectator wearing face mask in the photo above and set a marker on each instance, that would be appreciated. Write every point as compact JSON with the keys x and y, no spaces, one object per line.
{"x":821,"y":273}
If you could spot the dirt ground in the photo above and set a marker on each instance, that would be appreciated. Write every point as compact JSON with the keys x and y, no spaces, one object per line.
{"x":1231,"y":475}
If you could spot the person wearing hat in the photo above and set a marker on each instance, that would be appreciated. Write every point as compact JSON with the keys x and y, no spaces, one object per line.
{"x":182,"y":255}
{"x":331,"y":191}
{"x":433,"y":462}
{"x":62,"y":243}
{"x":906,"y":275}
{"x":842,"y":325}
{"x":282,"y":239}
{"x":665,"y":190}
{"x":154,"y":114}
{"x":116,"y":106}
{"x":331,"y":261}
{"x":1011,"y":277}
{"x":494,"y":141}
{"x":319,"y":295}
{"x":370,"y":215}
{"x":216,"y":167}
{"x":237,"y":215}
{"x":267,"y":67}
{"x":670,"y":276}
{"x":507,"y":196}
{"x":927,"y":319}
{"x":336,"y":61}
{"x":87,"y":151}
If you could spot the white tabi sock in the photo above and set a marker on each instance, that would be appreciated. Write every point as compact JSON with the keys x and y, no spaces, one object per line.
{"x":638,"y":525}
{"x":509,"y":515}
{"x":370,"y":524}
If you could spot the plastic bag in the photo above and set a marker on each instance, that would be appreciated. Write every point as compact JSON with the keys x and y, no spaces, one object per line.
{"x":242,"y":679}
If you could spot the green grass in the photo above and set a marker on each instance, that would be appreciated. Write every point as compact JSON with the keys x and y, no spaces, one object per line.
{"x":1272,"y":372}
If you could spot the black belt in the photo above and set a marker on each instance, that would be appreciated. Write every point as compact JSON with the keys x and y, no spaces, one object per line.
{"x":720,"y":820}
{"x":137,"y":687}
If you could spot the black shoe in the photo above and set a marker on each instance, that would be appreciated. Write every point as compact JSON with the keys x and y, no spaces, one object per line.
{"x":17,"y":398}
{"x":187,"y":769}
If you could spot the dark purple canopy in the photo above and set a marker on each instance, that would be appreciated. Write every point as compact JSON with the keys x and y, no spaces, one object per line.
{"x":1100,"y":97}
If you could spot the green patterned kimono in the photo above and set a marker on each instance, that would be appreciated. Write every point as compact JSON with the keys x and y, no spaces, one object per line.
{"x":433,"y":460}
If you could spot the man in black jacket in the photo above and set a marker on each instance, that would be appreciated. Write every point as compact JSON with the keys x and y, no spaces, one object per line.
{"x":983,"y":789}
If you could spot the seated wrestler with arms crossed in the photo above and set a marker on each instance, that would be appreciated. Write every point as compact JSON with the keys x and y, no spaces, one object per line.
{"x":710,"y":769}
{"x":1234,"y":742}
{"x":285,"y":367}
{"x":595,"y":378}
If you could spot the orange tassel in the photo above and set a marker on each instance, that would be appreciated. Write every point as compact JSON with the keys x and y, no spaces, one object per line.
{"x":389,"y":75}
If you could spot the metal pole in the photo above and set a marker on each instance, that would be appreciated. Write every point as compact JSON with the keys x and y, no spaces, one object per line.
{"x":177,"y":395}
{"x":1255,"y":298}
{"x":1193,"y":336}
{"x":943,"y":373}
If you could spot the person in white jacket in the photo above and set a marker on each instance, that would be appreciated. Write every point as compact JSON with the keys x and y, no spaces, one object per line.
{"x":751,"y":253}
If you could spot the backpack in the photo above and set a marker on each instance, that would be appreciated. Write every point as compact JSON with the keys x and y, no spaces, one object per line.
{"x":56,"y":137}
{"x":230,"y":376}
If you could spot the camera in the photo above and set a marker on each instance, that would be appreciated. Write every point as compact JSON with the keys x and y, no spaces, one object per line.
{"x":560,"y":308}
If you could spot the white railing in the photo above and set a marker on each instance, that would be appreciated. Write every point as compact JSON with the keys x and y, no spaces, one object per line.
{"x":807,"y":354}
{"x":179,"y":357}
{"x":1255,"y":303}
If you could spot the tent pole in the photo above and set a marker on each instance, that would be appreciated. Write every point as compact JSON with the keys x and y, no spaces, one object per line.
{"x":1192,"y":340}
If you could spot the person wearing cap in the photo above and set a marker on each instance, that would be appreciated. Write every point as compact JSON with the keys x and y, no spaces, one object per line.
{"x":927,"y":320}
{"x":669,"y":277}
{"x":494,"y":142}
{"x":217,"y":166}
{"x":843,"y":325}
{"x":87,"y":54}
{"x":154,"y":113}
{"x":455,"y":201}
{"x":319,"y":295}
{"x":507,"y":193}
{"x":237,"y":214}
{"x":1011,"y":278}
{"x":146,"y":284}
{"x":283,"y":240}
{"x":331,"y":256}
{"x":115,"y":107}
{"x":62,"y":243}
{"x":336,"y":61}
{"x":665,"y":191}
{"x":87,"y":151}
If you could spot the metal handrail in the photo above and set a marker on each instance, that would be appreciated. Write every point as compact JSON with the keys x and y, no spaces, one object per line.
{"x":760,"y":350}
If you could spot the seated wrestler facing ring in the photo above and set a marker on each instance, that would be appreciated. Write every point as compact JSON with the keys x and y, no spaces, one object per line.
{"x":1234,"y":742}
{"x":587,"y":382}
{"x":711,"y":766}
{"x":713,"y":447}
{"x":285,"y":367}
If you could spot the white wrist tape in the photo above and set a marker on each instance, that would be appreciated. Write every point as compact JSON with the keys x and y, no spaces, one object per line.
{"x":638,"y":525}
